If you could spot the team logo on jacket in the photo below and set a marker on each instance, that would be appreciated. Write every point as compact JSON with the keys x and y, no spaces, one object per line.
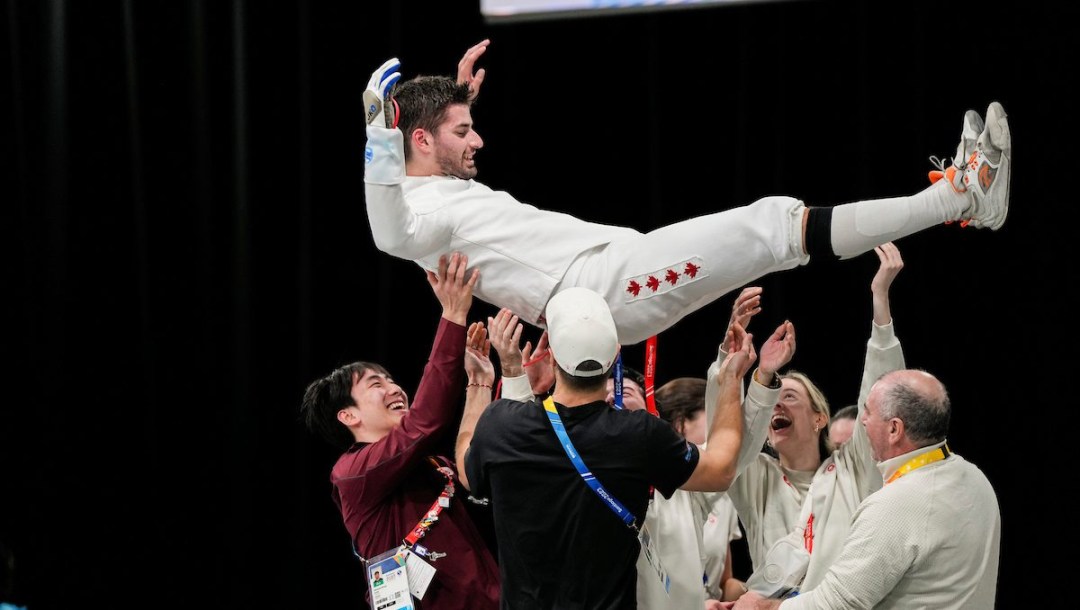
{"x":665,"y":279}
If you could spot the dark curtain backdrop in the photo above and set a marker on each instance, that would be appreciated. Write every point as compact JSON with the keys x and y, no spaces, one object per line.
{"x":185,"y":247}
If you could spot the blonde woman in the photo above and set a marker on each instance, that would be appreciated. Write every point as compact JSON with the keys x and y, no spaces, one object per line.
{"x":796,"y":506}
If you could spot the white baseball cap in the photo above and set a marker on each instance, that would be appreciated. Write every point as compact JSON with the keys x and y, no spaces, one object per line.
{"x":581,"y":329}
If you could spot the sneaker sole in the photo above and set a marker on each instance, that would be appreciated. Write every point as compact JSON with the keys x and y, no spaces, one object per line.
{"x":973,"y":126}
{"x":1001,"y":138}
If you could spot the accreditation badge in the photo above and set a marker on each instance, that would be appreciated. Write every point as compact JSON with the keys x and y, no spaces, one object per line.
{"x":388,"y":580}
{"x":648,"y":547}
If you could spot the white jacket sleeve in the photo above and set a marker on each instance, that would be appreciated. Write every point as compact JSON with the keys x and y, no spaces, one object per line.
{"x":892,"y":537}
{"x":757,"y":405}
{"x":384,"y":156}
{"x":517,"y":388}
{"x":883,"y":354}
{"x":395,"y":227}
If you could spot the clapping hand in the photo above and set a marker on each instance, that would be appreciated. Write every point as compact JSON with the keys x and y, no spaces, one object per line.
{"x":478,"y":365}
{"x":747,"y":305}
{"x":739,"y":360}
{"x":538,"y":365}
{"x":505,"y":330}
{"x":778,"y":350}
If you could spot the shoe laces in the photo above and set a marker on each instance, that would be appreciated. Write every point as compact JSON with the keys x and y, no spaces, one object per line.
{"x":942,"y":165}
{"x":938,"y":163}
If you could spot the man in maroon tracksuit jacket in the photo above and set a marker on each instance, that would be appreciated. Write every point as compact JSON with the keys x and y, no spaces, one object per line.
{"x":390,"y":477}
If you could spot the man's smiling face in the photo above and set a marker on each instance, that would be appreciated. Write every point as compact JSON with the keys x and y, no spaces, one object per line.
{"x":381,"y":402}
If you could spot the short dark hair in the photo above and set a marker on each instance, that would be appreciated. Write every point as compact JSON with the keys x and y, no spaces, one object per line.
{"x":680,"y":400}
{"x":926,"y":417}
{"x":848,"y":412}
{"x":327,"y":395}
{"x":583,"y":384}
{"x":423,"y":102}
{"x":629,"y":372}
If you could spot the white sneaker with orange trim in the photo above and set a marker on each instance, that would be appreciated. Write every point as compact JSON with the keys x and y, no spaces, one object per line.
{"x":988,"y":172}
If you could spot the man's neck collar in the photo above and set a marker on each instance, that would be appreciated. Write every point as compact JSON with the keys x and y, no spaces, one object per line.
{"x":890,"y":465}
{"x":571,"y":398}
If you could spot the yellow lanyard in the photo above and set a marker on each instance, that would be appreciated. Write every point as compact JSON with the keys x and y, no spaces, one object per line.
{"x":919,"y":461}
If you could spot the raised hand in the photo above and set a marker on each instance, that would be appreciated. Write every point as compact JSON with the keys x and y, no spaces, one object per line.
{"x":465,"y":75}
{"x":777,"y":351}
{"x":741,"y":358}
{"x":381,"y":110}
{"x":505,"y":329}
{"x":537,"y":365}
{"x":451,"y":287}
{"x":477,"y":393}
{"x":478,"y":365}
{"x":747,"y":305}
{"x":891,"y":264}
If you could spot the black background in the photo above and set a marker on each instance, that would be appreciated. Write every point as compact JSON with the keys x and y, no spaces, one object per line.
{"x":186,"y":247}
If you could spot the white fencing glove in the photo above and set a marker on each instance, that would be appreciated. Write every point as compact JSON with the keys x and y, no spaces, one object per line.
{"x":377,"y":100}
{"x":384,"y":154}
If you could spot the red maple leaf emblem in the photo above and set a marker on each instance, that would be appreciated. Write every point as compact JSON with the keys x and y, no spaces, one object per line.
{"x":671,"y":277}
{"x":633,"y":288}
{"x":691,"y":270}
{"x":653,"y":283}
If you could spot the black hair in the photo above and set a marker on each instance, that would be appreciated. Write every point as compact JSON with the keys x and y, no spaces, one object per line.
{"x":327,"y":395}
{"x":424,"y":101}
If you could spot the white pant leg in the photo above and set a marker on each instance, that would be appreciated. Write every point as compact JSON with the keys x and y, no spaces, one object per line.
{"x":859,"y":227}
{"x":677,"y":269}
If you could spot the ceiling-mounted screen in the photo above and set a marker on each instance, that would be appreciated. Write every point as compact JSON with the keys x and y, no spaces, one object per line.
{"x":496,"y":11}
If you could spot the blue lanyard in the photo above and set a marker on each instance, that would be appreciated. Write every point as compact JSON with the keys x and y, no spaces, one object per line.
{"x":590,"y":479}
{"x":618,"y":377}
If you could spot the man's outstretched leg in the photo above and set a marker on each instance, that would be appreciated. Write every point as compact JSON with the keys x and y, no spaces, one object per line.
{"x":653,"y":281}
{"x":975,"y":191}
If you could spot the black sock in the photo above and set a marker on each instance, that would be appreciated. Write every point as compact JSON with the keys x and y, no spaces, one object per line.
{"x":818,"y":240}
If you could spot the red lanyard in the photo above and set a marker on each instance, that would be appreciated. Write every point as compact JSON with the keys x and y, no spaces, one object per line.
{"x":650,"y":375}
{"x":650,"y":382}
{"x":432,"y":515}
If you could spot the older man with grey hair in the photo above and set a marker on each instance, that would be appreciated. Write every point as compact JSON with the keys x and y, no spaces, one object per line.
{"x":931,"y":537}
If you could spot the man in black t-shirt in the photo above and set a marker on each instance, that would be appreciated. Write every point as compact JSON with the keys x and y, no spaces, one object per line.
{"x":568,"y":540}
